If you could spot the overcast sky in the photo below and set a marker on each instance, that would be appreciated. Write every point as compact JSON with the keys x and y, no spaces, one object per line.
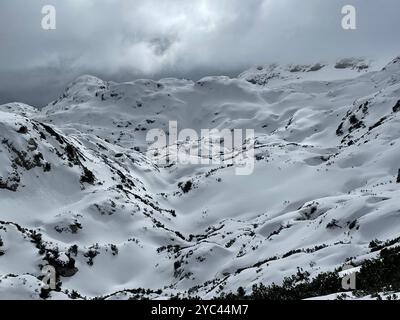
{"x":127,"y":39}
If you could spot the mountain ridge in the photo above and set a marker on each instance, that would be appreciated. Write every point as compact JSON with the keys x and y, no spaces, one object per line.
{"x":79,"y":192}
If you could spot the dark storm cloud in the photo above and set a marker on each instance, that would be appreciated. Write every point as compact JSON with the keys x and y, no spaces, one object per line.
{"x":122,"y":40}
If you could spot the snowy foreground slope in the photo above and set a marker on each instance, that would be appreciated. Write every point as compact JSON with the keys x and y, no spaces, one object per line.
{"x":78,"y":192}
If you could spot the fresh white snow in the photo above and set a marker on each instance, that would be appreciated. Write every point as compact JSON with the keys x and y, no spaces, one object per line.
{"x":112,"y":220}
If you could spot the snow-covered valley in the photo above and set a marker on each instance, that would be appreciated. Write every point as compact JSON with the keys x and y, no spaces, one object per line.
{"x":78,"y":191}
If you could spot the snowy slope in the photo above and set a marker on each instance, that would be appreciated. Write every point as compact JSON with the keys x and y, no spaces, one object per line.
{"x":78,"y":192}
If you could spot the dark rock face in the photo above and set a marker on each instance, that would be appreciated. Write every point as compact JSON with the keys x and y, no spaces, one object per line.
{"x":1,"y":244}
{"x":396,"y":108}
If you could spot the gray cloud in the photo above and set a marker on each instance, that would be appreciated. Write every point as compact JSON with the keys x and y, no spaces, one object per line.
{"x":122,"y":40}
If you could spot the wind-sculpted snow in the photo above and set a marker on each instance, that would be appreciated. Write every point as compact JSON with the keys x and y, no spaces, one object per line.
{"x":78,"y":191}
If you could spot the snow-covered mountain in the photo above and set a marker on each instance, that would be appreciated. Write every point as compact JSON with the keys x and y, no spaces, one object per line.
{"x":78,"y":192}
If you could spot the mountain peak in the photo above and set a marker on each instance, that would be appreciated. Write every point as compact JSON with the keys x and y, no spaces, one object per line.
{"x":276,"y":74}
